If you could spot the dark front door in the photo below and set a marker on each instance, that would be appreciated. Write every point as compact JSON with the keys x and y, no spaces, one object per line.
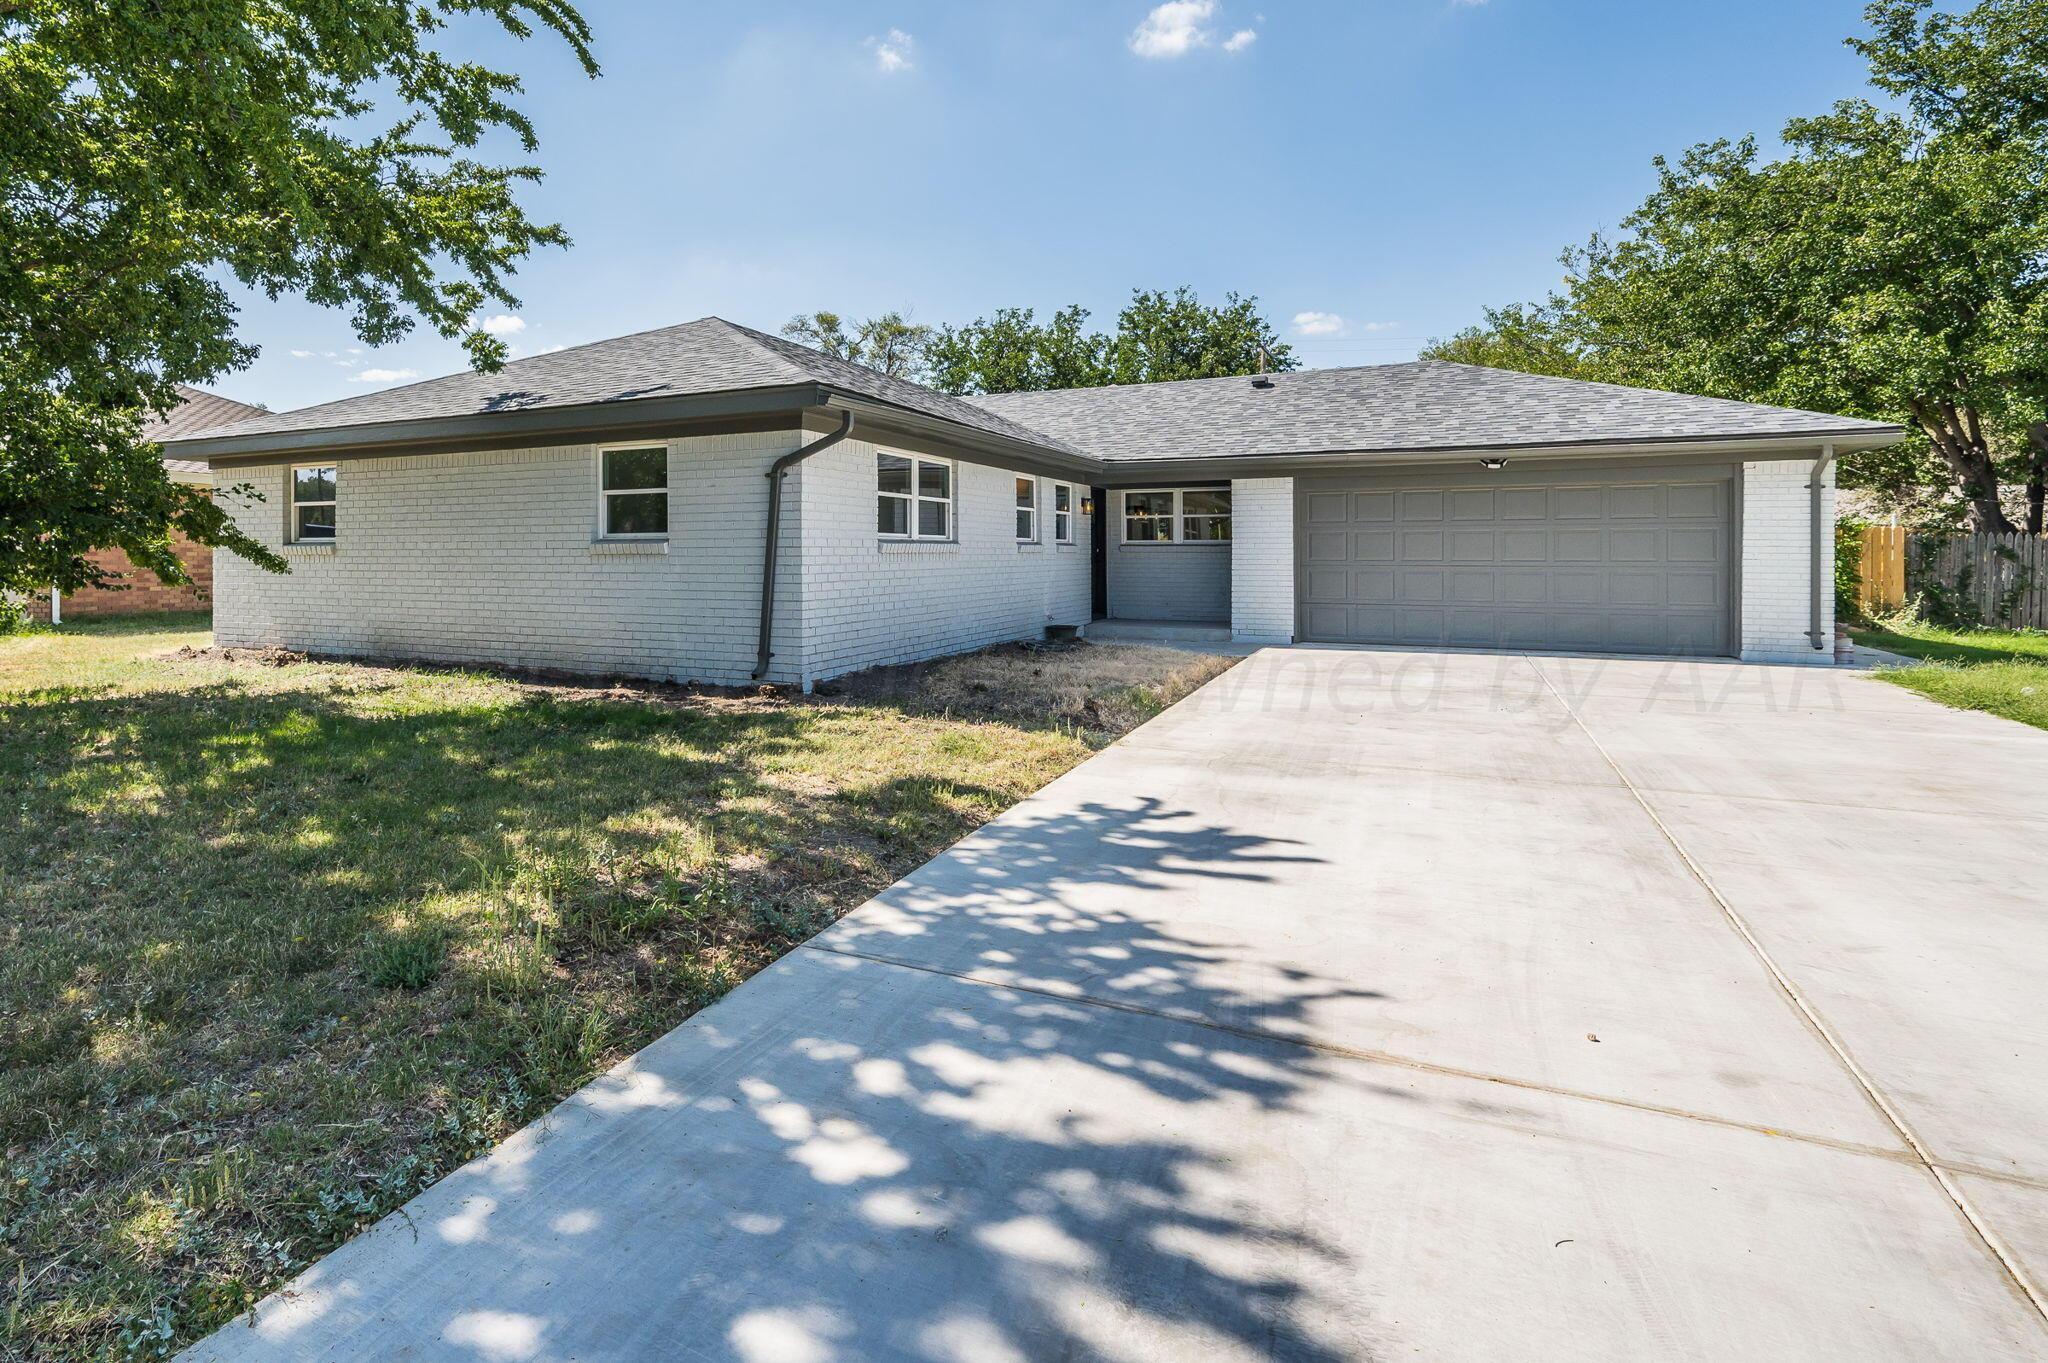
{"x":1098,"y":552}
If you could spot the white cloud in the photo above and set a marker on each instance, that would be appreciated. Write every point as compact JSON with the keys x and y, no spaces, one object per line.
{"x":1240,"y":40}
{"x":1174,"y":29}
{"x":383,"y":375}
{"x":302,"y":354}
{"x":1318,"y":324}
{"x":894,"y":51}
{"x":1377,"y":326}
{"x":503,"y":324}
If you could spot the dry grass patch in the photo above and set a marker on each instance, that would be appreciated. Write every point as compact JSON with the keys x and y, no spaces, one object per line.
{"x":282,"y":942}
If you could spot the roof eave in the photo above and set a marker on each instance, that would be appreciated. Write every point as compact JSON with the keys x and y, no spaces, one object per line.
{"x":1784,"y":445}
{"x":1023,"y":455}
{"x":600,"y":420}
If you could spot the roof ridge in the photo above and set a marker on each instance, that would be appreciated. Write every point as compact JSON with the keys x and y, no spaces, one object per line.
{"x":771,"y":347}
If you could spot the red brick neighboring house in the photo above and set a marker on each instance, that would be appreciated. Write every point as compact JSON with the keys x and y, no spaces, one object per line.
{"x":199,"y":411}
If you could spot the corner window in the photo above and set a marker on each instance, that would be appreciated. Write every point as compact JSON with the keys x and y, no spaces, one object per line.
{"x":633,"y":492}
{"x":1191,"y":515}
{"x":913,"y":497}
{"x":1027,"y":511}
{"x":1063,"y":512}
{"x":313,"y":503}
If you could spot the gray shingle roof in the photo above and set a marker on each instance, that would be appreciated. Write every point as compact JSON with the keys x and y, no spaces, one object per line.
{"x":710,"y":355}
{"x":1426,"y":404}
{"x":198,"y":410}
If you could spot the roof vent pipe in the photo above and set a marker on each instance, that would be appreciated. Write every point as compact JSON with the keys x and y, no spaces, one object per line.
{"x":774,"y":536}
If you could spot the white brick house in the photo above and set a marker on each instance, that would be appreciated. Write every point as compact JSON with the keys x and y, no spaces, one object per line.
{"x":606,"y":510}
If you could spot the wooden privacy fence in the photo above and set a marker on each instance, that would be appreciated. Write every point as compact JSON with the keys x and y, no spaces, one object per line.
{"x":1997,"y":579}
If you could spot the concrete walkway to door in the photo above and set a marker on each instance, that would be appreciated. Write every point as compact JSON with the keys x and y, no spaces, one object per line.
{"x":1364,"y":1005}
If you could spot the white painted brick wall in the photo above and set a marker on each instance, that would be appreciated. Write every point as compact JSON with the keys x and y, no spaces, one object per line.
{"x":1776,"y":550}
{"x":493,"y":557}
{"x":869,"y":602}
{"x":1262,"y":560}
{"x":489,"y":557}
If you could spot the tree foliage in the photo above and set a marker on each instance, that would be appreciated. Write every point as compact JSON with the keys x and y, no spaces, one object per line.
{"x":1159,"y":337}
{"x":1892,"y":263}
{"x":152,"y":153}
{"x":890,"y":342}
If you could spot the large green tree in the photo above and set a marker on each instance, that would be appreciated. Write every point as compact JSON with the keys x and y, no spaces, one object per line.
{"x":1159,"y":336}
{"x":153,"y":154}
{"x":1889,"y":264}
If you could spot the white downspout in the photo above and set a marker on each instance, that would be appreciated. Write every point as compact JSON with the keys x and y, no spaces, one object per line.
{"x":56,"y":607}
{"x":1819,"y":537}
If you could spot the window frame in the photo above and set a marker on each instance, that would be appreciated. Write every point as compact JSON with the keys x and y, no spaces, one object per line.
{"x":605,"y":494}
{"x":293,"y":502}
{"x":1176,"y":519}
{"x":1063,"y":522}
{"x":914,"y":498}
{"x":1032,"y":509}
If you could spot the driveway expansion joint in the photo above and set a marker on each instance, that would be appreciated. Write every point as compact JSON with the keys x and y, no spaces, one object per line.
{"x":1902,"y":1156}
{"x":1990,"y":1239}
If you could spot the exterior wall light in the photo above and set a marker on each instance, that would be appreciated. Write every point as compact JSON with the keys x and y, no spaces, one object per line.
{"x":1493,"y":463}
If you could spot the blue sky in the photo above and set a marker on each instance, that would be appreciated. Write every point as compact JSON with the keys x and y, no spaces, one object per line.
{"x":1380,"y":169}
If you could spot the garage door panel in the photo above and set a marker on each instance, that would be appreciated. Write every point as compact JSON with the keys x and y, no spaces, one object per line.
{"x":1374,"y":587}
{"x":1694,"y":591}
{"x":1422,"y":586}
{"x":1418,"y":626}
{"x":1375,"y":546}
{"x":1636,"y":589}
{"x":1421,"y":506}
{"x":1472,"y":506}
{"x":1578,"y":546}
{"x":1422,"y":546}
{"x":1640,"y":564}
{"x":1578,"y":504}
{"x":1641,"y":502}
{"x":1328,"y":508}
{"x":1473,"y":546}
{"x":1473,"y":588}
{"x":1635,"y":546}
{"x":1327,"y":546}
{"x":1578,"y":589}
{"x":1692,"y":546}
{"x":1697,"y":501}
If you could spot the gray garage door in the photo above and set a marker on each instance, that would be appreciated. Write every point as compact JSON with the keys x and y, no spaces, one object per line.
{"x":1586,"y":561}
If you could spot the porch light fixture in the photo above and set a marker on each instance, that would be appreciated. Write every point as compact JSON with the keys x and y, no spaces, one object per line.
{"x":1088,"y":506}
{"x":1493,"y":463}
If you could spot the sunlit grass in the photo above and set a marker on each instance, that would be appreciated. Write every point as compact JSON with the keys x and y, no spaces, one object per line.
{"x":281,"y":945}
{"x":2001,"y":672}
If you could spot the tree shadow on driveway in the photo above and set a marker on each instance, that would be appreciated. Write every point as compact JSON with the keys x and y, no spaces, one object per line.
{"x":849,"y":1159}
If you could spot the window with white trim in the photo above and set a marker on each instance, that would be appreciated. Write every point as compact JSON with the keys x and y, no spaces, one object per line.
{"x":313,"y":503}
{"x":1063,"y":513}
{"x":1177,"y":515}
{"x":913,"y":497}
{"x":1027,"y":511}
{"x":633,"y":492}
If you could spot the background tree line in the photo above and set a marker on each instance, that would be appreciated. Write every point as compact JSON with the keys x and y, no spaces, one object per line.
{"x":1159,"y":336}
{"x":1891,"y":263}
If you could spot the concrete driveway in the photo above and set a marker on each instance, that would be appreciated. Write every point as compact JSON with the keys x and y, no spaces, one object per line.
{"x":1365,"y":1005}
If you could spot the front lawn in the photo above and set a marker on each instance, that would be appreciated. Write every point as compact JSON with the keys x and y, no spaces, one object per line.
{"x":284,"y":941}
{"x":2002,"y":672}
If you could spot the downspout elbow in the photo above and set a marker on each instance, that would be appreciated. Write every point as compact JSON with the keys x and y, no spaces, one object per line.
{"x":772,"y":541}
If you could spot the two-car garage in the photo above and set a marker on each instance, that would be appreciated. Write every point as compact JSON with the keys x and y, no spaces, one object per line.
{"x":1595,"y":560}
